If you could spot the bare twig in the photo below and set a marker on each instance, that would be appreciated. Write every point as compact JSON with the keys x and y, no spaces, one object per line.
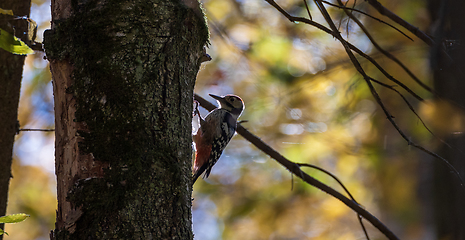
{"x":348,"y":47}
{"x":352,"y":47}
{"x":35,"y":130}
{"x":408,"y":104}
{"x":384,"y":72}
{"x":376,"y":96}
{"x":416,"y":31}
{"x":412,"y":109}
{"x":295,"y":169}
{"x":308,"y":10}
{"x":342,"y":185}
{"x":379,"y":48}
{"x":368,"y":15}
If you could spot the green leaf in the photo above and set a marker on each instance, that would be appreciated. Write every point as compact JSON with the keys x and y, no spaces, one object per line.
{"x":12,"y":44}
{"x":6,"y":12}
{"x":14,"y":218}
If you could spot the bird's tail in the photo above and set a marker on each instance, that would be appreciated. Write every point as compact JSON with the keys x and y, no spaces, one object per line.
{"x":198,"y":172}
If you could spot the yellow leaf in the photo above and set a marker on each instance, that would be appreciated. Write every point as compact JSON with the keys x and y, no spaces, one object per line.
{"x":6,"y":12}
{"x":12,"y":44}
{"x":14,"y":218}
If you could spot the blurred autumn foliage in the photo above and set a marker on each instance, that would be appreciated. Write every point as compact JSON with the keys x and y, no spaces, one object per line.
{"x":305,"y":99}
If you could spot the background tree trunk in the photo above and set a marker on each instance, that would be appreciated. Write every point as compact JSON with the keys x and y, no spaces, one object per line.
{"x":123,"y":77}
{"x":11,"y":72}
{"x":449,"y":82}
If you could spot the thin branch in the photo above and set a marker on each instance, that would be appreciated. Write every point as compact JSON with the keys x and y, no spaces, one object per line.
{"x":340,"y":23}
{"x":384,"y":72}
{"x":376,"y":45}
{"x":295,"y":169}
{"x":416,"y":31}
{"x":348,"y":47}
{"x":348,"y":21}
{"x":359,"y":68}
{"x":35,"y":130}
{"x":352,"y":47}
{"x":368,"y":15}
{"x":342,"y":185}
{"x":308,"y":10}
{"x":406,"y":102}
{"x":409,"y":141}
{"x":329,"y":174}
{"x":376,"y":96}
{"x":411,"y":109}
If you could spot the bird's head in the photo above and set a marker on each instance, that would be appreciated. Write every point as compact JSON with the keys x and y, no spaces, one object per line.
{"x":230,"y":103}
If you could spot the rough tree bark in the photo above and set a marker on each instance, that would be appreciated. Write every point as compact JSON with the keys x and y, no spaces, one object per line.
{"x":123,"y":76}
{"x":448,"y":29}
{"x":11,"y":71}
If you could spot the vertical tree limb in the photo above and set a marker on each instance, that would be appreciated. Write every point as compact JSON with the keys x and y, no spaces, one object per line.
{"x":11,"y":71}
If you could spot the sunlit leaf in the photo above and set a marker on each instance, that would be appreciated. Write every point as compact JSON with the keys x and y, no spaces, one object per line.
{"x":12,"y":44}
{"x":3,"y":232}
{"x":14,"y":218}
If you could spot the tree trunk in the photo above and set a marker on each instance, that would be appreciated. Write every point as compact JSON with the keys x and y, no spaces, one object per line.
{"x":449,"y":82}
{"x":11,"y":71}
{"x":123,"y":76}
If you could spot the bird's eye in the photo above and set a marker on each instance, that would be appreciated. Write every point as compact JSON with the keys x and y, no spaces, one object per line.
{"x":232,"y":99}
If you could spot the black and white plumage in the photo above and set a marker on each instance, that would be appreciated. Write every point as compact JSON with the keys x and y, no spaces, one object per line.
{"x":215,"y":132}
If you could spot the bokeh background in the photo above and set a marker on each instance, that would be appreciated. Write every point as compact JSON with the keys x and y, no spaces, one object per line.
{"x":305,"y":99}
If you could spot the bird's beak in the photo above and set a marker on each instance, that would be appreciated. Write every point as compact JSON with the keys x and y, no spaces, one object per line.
{"x":221,"y":99}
